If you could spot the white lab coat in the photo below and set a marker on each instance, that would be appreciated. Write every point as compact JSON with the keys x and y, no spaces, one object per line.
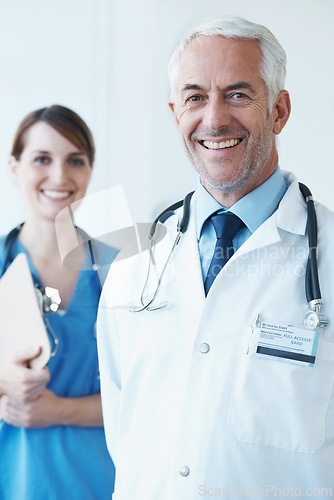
{"x":182,"y":423}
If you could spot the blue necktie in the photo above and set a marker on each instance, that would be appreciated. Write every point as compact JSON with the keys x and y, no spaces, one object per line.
{"x":226,"y":226}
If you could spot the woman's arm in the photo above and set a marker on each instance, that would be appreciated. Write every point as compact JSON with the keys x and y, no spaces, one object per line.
{"x":48,"y":410}
{"x":25,"y":402}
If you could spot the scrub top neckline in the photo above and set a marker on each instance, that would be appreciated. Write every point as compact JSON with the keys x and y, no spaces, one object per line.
{"x":36,"y":277}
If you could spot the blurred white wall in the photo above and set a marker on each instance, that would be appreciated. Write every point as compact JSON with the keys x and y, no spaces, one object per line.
{"x":107,"y":60}
{"x":53,"y":52}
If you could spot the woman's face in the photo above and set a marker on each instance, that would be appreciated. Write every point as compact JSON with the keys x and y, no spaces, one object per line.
{"x":52,"y":173}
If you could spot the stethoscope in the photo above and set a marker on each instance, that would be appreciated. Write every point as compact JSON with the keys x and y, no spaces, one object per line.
{"x":313,"y":318}
{"x":48,"y":298}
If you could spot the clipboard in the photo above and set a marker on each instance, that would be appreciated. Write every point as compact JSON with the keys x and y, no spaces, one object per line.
{"x":21,"y":322}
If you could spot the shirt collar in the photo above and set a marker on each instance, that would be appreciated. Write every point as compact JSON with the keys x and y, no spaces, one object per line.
{"x":253,"y":209}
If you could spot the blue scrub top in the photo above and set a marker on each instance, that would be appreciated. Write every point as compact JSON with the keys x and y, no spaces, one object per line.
{"x":60,"y":463}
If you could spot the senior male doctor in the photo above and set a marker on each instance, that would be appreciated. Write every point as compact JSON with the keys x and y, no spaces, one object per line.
{"x":217,"y":388}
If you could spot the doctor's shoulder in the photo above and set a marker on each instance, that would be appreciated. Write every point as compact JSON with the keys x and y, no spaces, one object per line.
{"x":325,"y":223}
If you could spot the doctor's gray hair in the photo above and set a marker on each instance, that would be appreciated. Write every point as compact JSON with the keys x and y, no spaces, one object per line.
{"x":273,"y":68}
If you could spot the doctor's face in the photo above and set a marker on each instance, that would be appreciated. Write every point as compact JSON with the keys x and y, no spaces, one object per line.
{"x":222,"y":115}
{"x":51,"y":171}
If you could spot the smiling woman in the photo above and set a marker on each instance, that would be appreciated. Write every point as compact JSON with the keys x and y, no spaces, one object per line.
{"x":51,"y":171}
{"x":51,"y":418}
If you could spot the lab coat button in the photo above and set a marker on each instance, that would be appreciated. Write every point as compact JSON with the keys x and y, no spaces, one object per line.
{"x":204,"y":348}
{"x":184,"y":471}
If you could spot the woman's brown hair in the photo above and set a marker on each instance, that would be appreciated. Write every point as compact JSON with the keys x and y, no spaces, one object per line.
{"x":63,"y":120}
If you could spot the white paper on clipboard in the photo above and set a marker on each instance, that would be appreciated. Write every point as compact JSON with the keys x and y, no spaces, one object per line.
{"x":21,"y":322}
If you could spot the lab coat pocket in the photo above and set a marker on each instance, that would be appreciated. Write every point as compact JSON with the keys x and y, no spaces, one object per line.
{"x":281,"y":404}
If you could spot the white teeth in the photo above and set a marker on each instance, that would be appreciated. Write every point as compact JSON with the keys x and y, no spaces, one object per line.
{"x":56,"y":194}
{"x":221,"y":145}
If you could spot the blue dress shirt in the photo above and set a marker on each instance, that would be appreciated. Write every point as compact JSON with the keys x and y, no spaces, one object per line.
{"x":253,"y":209}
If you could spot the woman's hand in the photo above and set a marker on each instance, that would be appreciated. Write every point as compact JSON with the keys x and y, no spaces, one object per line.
{"x":25,"y":401}
{"x":20,"y":383}
{"x":40,"y":412}
{"x":48,"y":410}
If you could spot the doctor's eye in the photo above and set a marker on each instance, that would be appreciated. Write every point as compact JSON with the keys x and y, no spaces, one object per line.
{"x":194,"y":99}
{"x":238,"y":97}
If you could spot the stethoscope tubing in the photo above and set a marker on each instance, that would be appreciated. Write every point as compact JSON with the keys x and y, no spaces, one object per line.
{"x":312,"y":286}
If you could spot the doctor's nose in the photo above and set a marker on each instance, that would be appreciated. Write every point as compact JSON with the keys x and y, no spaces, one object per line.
{"x":217,"y":114}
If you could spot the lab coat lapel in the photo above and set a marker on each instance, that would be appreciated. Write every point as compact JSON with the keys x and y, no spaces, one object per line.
{"x":187,"y":262}
{"x":290,"y":216}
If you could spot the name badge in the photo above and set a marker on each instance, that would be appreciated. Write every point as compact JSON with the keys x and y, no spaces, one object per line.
{"x":286,"y":342}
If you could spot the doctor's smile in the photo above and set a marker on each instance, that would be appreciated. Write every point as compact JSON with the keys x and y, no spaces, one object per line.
{"x":221,"y":145}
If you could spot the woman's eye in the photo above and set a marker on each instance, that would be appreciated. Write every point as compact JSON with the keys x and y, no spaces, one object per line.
{"x":76,"y":162}
{"x":42,"y":160}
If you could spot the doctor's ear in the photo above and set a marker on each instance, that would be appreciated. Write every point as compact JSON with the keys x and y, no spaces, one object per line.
{"x":13,"y":165}
{"x":281,"y":111}
{"x":172,"y":106}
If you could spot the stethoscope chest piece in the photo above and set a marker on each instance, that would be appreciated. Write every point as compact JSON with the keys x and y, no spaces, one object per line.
{"x":313,"y":318}
{"x":48,"y":299}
